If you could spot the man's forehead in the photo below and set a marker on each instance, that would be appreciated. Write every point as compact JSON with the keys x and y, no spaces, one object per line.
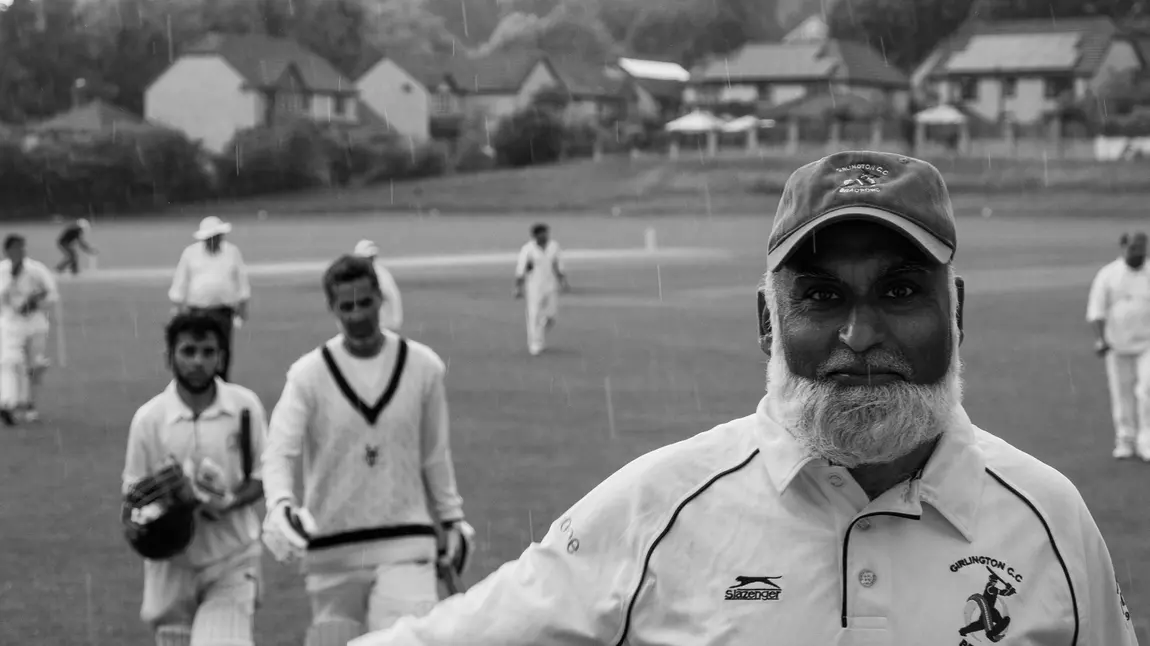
{"x":196,"y":338}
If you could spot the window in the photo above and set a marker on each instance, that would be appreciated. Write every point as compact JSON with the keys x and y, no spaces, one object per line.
{"x":341,"y":105}
{"x":1056,"y":86}
{"x":442,"y":103}
{"x":1010,"y":87}
{"x":967,"y":88}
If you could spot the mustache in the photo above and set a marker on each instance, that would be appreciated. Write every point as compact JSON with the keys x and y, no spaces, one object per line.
{"x":879,"y":360}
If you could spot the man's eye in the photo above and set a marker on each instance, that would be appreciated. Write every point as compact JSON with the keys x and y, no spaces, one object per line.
{"x":346,"y":307}
{"x":821,"y":295}
{"x":901,"y":291}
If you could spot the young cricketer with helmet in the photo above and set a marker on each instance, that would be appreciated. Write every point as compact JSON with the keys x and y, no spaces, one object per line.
{"x":190,"y":482}
{"x":381,"y":512}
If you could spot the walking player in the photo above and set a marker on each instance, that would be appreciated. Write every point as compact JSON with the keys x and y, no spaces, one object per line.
{"x":211,"y":277}
{"x":212,"y":433}
{"x":391,"y":315}
{"x":370,"y":409}
{"x":540,"y":270}
{"x":27,"y":291}
{"x":1119,"y":310}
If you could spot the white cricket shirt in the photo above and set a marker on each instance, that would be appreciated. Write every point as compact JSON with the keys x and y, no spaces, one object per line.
{"x":537,"y":266}
{"x":36,"y":277}
{"x":391,"y":314}
{"x":204,"y":279}
{"x":165,"y":426}
{"x":1120,"y":295}
{"x":735,"y":536}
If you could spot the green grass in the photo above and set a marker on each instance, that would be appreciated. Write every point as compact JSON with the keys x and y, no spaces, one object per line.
{"x":530,"y":436}
{"x":693,"y":184}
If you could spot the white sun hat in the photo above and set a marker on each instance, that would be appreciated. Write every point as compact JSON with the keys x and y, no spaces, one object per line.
{"x":366,"y":249}
{"x":84,"y":224}
{"x":210,"y":227}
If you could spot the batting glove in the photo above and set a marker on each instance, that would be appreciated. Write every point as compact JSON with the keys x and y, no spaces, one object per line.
{"x":208,"y":486}
{"x":287,"y":531}
{"x":458,"y":545}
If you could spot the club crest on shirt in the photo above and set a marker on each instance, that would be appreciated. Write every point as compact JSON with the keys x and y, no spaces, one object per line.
{"x":371,"y":454}
{"x":986,"y":616}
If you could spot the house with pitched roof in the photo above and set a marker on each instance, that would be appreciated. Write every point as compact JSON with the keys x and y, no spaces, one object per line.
{"x":1020,"y":70}
{"x":766,"y":74}
{"x":226,"y":83}
{"x":658,"y":86}
{"x":424,"y":97}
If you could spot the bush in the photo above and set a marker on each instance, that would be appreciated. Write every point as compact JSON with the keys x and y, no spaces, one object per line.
{"x":105,"y":173}
{"x":290,"y":156}
{"x":528,"y":137}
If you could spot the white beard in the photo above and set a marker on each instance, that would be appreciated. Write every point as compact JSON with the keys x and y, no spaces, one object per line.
{"x":853,"y":426}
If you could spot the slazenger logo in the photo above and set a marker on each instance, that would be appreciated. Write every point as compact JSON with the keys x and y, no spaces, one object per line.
{"x":754,"y":588}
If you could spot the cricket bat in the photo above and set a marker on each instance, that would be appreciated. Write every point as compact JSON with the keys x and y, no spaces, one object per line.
{"x":452,"y":582}
{"x":61,"y":351}
{"x":246,"y":443}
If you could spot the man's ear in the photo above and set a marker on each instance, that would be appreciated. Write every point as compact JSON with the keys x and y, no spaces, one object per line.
{"x":960,"y":284}
{"x":764,"y":314}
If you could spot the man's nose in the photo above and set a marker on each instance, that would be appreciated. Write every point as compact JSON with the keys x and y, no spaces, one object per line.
{"x":862,"y":330}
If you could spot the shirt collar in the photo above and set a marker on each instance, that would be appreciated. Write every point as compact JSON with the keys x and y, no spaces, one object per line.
{"x":178,"y":411}
{"x":951,"y":482}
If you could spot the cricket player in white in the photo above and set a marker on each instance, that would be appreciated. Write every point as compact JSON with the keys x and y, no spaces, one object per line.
{"x":206,"y":596}
{"x":858,"y":505}
{"x":27,"y":291}
{"x":1119,"y":310}
{"x":368,"y":410}
{"x":211,"y":277}
{"x":539,"y":276}
{"x":391,"y":316}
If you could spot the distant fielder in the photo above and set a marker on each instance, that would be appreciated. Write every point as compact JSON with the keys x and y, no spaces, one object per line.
{"x":70,"y":240}
{"x":539,"y":273}
{"x":391,"y":316}
{"x":381,"y":511}
{"x":27,"y":292}
{"x":191,"y":478}
{"x":1119,"y":309}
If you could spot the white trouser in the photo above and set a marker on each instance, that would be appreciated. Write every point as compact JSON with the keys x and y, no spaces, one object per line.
{"x":1129,"y":377}
{"x":542,"y":306}
{"x":346,"y":604}
{"x":22,"y":349}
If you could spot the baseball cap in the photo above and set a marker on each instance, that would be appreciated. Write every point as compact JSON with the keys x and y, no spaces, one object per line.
{"x":906,"y":194}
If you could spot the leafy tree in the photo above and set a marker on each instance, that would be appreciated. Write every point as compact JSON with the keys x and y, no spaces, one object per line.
{"x":904,"y":31}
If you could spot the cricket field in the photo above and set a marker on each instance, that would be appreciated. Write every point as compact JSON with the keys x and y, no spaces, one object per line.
{"x":651,"y":347}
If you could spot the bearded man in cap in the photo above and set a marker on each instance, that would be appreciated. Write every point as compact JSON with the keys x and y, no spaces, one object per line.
{"x":212,"y":278}
{"x":858,"y":505}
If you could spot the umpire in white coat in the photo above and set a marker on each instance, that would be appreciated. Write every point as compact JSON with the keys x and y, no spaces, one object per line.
{"x":857,"y":505}
{"x":211,"y":277}
{"x":391,"y":315}
{"x":1119,"y":310}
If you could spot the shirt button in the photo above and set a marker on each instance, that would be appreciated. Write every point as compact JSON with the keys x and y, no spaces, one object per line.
{"x":836,"y":480}
{"x":867,"y":578}
{"x":863,"y":524}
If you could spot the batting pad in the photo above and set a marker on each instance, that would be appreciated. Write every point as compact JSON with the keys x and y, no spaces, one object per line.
{"x":174,"y":636}
{"x":333,"y":632}
{"x":13,"y":388}
{"x":223,"y":623}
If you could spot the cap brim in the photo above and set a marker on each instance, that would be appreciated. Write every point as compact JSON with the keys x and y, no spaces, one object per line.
{"x":923,"y":239}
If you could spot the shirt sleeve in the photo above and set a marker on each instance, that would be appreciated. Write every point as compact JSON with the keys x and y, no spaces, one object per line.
{"x":1098,"y":304}
{"x":259,"y":437}
{"x":178,"y":294}
{"x":1105,"y":617}
{"x":243,"y":286}
{"x":393,"y":302}
{"x":139,"y":460}
{"x":286,"y":431}
{"x":521,"y":264}
{"x":438,"y":468}
{"x":571,"y":589}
